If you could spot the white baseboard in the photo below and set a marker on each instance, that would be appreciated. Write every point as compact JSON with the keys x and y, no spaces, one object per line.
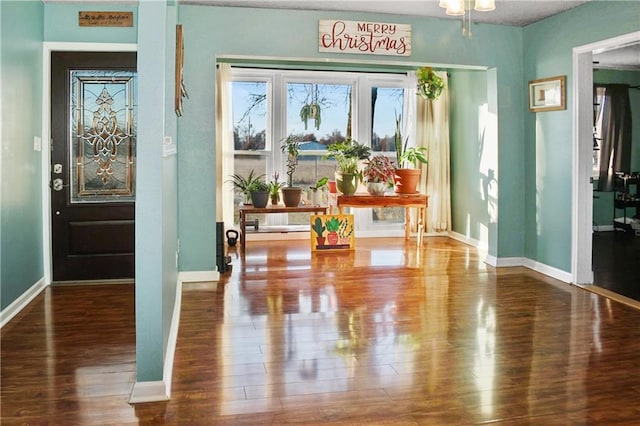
{"x":549,"y":270}
{"x":603,"y":228}
{"x":148,"y":392}
{"x":467,"y":240}
{"x":21,"y":302}
{"x":198,"y":276}
{"x":507,"y":262}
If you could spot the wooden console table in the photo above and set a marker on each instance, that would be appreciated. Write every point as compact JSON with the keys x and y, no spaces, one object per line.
{"x":249,"y":209}
{"x":419,"y":201}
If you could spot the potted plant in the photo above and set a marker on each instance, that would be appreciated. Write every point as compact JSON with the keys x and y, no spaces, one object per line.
{"x":274,"y":189}
{"x":347,"y":154}
{"x":316,"y":190}
{"x":259,"y":190}
{"x":430,"y":85}
{"x":241,"y":184}
{"x":291,"y":148}
{"x":378,"y":174}
{"x":407,"y":174}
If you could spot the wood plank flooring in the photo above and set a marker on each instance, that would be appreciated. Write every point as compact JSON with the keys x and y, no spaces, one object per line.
{"x":385,"y":334}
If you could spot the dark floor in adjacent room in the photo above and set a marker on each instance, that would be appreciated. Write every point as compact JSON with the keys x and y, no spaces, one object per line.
{"x":616,"y":262}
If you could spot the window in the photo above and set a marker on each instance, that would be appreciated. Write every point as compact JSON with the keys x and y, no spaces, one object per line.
{"x":321,"y":108}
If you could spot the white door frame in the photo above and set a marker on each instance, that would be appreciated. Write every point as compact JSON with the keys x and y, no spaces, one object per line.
{"x":582,"y":197}
{"x":47,"y":48}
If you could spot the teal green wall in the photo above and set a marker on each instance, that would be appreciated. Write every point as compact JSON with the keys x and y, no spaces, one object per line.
{"x":603,"y":201}
{"x":62,"y":24}
{"x":472,"y":201}
{"x":548,"y":47}
{"x":215,"y":31}
{"x":21,"y":254}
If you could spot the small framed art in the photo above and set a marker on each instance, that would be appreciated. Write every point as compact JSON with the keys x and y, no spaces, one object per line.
{"x":547,"y":94}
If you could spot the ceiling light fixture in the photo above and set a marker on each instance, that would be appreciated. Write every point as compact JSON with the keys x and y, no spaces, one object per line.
{"x":459,"y":8}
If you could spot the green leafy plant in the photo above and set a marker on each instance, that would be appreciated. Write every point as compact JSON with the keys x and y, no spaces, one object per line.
{"x":321,"y":183}
{"x":291,"y":147}
{"x":311,"y":111}
{"x":318,"y":227}
{"x":430,"y":85}
{"x":275,"y":185}
{"x":406,"y":155}
{"x":333,"y":224}
{"x":379,"y":169}
{"x":347,"y":153}
{"x":258,"y":185}
{"x":242,"y":184}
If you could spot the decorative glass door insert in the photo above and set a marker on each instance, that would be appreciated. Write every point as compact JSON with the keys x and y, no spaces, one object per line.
{"x":103,"y":136}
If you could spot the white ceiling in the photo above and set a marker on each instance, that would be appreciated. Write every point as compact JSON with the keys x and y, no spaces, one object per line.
{"x":508,"y":12}
{"x":517,"y":13}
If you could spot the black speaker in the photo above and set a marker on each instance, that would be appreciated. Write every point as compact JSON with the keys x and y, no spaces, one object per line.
{"x":222,"y":260}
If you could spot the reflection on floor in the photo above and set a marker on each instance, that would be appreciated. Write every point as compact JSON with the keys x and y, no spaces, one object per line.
{"x":616,"y":263}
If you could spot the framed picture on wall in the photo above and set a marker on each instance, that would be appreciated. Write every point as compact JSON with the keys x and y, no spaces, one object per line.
{"x":547,"y":94}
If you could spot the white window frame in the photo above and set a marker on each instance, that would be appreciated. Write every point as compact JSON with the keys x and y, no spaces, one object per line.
{"x":362,"y":84}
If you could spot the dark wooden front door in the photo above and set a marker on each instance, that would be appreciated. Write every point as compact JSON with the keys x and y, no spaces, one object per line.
{"x":93,"y":130}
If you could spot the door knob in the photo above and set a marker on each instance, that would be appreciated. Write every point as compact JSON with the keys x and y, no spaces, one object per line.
{"x":57,"y":184}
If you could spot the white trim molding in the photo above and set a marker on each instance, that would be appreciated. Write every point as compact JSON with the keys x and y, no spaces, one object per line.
{"x":510,"y":262}
{"x":549,"y":271}
{"x":198,"y":276}
{"x":47,"y":48}
{"x":480,"y":245}
{"x":582,"y":189}
{"x":154,"y":391}
{"x":148,"y":392}
{"x":21,"y":302}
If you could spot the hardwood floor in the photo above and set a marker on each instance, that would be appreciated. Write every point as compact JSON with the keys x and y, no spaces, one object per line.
{"x":385,"y":334}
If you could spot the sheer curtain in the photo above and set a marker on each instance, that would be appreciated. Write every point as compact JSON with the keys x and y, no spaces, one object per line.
{"x":432,"y":131}
{"x":224,"y":147}
{"x":615,"y":149}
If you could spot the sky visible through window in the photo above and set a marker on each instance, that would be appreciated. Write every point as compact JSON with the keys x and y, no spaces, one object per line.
{"x":249,"y":112}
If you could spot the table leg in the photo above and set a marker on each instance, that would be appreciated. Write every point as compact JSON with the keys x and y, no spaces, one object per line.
{"x":407,"y":223}
{"x":421,"y":222}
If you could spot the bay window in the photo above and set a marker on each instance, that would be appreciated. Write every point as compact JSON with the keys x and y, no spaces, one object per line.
{"x":320,"y":108}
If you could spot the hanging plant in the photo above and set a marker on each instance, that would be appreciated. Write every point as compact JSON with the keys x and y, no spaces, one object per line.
{"x":311,"y":112}
{"x":430,"y":86}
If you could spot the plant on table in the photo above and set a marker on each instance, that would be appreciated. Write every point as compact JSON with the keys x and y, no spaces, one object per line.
{"x":378,"y":174}
{"x":291,"y":148}
{"x":259,"y":190}
{"x":406,"y":177}
{"x":347,"y":155}
{"x":242,"y":184}
{"x":274,"y":188}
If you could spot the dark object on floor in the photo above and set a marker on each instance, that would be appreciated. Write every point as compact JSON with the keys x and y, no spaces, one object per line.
{"x":222,"y":261}
{"x":232,"y":237}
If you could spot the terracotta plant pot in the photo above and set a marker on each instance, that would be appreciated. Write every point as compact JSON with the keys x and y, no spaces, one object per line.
{"x":291,"y":196}
{"x":406,"y":181}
